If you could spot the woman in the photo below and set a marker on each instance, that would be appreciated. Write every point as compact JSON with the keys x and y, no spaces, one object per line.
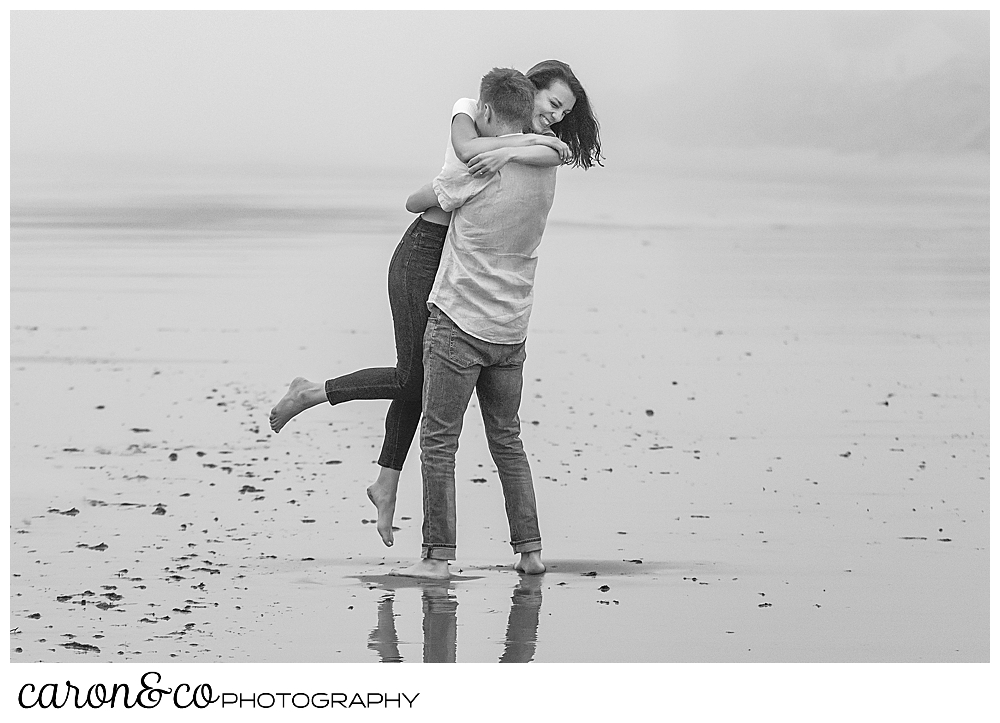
{"x":562,"y":122}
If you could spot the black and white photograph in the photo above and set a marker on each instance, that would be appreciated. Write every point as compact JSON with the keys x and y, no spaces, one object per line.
{"x":478,"y":335}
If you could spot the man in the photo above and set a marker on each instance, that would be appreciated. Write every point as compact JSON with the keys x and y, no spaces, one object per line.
{"x":479,"y":310}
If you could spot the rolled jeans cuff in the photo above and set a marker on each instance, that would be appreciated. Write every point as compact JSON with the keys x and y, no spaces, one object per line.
{"x":437,"y":552}
{"x":527,"y":546}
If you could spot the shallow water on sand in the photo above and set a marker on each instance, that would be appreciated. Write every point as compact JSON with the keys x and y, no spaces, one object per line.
{"x":756,"y":408}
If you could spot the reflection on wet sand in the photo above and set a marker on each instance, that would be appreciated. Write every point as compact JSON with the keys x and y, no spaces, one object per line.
{"x":440,"y":623}
{"x":383,"y":639}
{"x":440,"y":610}
{"x":522,"y":623}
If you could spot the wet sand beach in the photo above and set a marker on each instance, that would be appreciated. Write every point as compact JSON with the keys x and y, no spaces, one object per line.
{"x":756,"y":407}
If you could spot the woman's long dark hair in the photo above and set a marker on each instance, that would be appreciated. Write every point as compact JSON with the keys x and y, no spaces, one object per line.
{"x":579,"y":128}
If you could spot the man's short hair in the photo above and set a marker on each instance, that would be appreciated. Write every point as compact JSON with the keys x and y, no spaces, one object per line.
{"x":510,"y":94}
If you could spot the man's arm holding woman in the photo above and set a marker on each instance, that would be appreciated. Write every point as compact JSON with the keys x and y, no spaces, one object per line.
{"x":422,"y":199}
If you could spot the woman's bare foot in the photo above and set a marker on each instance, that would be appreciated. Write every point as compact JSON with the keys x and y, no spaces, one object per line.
{"x":426,"y":568}
{"x":301,"y":395}
{"x":530,"y":563}
{"x":383,"y":495}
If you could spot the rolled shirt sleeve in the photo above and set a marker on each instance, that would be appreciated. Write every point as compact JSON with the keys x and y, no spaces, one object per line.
{"x":454,"y":189}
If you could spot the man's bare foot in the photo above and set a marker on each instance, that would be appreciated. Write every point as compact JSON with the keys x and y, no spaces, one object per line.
{"x":383,"y":495}
{"x":426,"y":568}
{"x":301,"y":395}
{"x":530,"y":563}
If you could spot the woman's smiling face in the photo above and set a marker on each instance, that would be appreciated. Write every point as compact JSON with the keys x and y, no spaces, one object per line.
{"x":551,"y":106}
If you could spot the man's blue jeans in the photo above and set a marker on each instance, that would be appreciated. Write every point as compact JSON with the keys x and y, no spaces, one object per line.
{"x":455,"y":364}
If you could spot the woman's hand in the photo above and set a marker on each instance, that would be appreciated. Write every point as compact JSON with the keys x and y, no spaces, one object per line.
{"x":565,"y":154}
{"x":485,"y":164}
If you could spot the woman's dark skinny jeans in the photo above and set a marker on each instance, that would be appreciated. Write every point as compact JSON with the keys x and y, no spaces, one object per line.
{"x":411,"y":276}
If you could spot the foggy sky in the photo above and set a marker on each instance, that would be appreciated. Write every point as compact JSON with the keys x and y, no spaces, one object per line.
{"x":377,"y":88}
